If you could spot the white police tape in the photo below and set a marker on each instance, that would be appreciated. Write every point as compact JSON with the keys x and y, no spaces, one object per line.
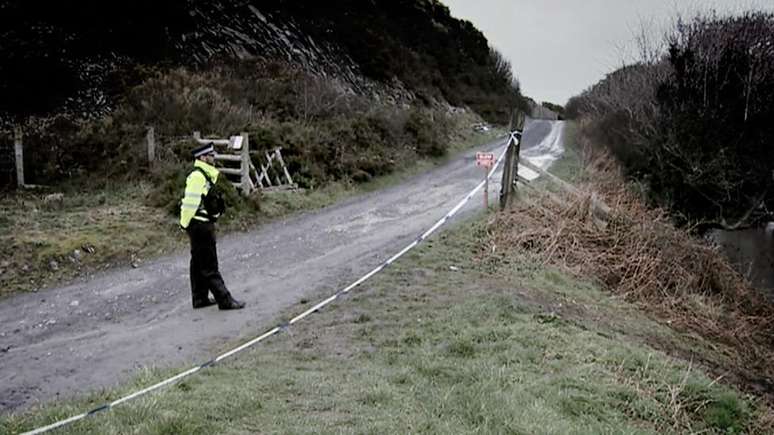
{"x":277,"y":328}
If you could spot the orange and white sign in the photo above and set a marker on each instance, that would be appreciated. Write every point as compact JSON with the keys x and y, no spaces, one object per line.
{"x":485,"y":159}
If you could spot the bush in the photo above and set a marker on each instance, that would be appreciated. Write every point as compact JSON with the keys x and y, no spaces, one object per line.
{"x":428,"y":136}
{"x":695,"y":125}
{"x":180,"y":102}
{"x":714,"y":157}
{"x":325,"y":133}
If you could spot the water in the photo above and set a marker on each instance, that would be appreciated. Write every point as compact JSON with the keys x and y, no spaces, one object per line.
{"x":751,"y":252}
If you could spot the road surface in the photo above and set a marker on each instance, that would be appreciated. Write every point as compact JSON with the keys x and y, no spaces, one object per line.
{"x":64,"y":341}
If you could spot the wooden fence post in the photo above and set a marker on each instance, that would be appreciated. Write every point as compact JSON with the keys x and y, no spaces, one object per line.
{"x":486,"y":188}
{"x":284,"y":168}
{"x":269,"y":158}
{"x":511,"y":166}
{"x":245,"y":165}
{"x":19,"y":156}
{"x":517,"y":153}
{"x":150,"y":139}
{"x":505,"y":185}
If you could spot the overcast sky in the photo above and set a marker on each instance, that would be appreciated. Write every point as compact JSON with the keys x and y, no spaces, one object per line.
{"x":558,"y":48}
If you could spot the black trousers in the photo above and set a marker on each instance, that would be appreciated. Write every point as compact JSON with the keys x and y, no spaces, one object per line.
{"x":205,"y":276}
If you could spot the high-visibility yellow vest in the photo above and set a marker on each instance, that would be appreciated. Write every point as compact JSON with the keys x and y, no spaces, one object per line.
{"x":196,"y":188}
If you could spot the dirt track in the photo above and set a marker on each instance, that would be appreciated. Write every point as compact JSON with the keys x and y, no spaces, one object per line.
{"x":63,"y":341}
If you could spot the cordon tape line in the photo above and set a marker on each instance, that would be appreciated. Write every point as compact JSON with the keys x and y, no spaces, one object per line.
{"x":277,"y":328}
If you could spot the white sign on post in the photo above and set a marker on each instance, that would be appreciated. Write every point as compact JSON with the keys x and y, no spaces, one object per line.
{"x":485,"y":159}
{"x":236,"y":142}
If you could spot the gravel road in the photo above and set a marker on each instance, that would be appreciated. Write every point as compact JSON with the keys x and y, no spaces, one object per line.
{"x":60,"y":342}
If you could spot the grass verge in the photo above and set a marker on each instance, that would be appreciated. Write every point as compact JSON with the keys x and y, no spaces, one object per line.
{"x":440,"y":343}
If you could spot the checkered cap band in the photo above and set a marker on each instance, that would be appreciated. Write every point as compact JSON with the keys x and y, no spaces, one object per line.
{"x":202,"y":150}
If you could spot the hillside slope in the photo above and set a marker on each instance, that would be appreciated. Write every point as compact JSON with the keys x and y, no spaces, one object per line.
{"x":95,"y":50}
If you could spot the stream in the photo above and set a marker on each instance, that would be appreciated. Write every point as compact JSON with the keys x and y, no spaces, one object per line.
{"x":751,"y":252}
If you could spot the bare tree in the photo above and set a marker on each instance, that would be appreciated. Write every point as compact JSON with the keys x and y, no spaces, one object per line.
{"x":502,"y":67}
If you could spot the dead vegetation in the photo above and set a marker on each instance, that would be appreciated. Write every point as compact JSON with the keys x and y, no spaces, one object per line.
{"x":637,"y":254}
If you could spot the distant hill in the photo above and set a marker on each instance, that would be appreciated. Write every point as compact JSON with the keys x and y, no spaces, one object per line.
{"x":81,"y":56}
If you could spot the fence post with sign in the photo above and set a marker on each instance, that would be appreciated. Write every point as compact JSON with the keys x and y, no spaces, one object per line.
{"x":486,"y":161}
{"x":511,"y":167}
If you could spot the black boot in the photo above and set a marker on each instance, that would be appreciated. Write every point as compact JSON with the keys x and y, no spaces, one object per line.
{"x":231,"y":304}
{"x":204,"y":303}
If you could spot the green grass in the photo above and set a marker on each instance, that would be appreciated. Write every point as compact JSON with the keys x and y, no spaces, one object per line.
{"x":108,"y":228}
{"x":569,"y":167}
{"x":486,"y":347}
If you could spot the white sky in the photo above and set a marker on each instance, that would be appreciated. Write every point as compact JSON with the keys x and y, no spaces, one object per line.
{"x":558,"y":48}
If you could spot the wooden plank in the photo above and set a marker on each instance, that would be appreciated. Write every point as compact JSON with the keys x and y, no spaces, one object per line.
{"x":567,"y":186}
{"x":510,"y":170}
{"x":269,"y":158}
{"x":517,"y":155}
{"x":150,"y":139}
{"x":505,"y":185}
{"x":284,"y":168}
{"x":213,"y":141}
{"x":257,"y":177}
{"x":203,"y":140}
{"x":19,"y":156}
{"x":228,"y":157}
{"x":231,"y":171}
{"x":557,"y":200}
{"x":601,"y":212}
{"x":510,"y":167}
{"x":265,"y":174}
{"x":247,"y":184}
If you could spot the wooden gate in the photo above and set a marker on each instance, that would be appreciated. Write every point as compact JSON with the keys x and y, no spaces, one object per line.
{"x":245,"y":177}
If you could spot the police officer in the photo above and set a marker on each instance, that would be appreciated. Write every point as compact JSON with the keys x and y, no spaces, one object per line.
{"x":201,"y":207}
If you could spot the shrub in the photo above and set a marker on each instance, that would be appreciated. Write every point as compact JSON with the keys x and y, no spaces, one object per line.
{"x":426,"y":135}
{"x":714,"y":157}
{"x":695,"y":125}
{"x":326,"y":134}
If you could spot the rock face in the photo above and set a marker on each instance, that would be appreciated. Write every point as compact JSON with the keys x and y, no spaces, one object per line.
{"x":77,"y":57}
